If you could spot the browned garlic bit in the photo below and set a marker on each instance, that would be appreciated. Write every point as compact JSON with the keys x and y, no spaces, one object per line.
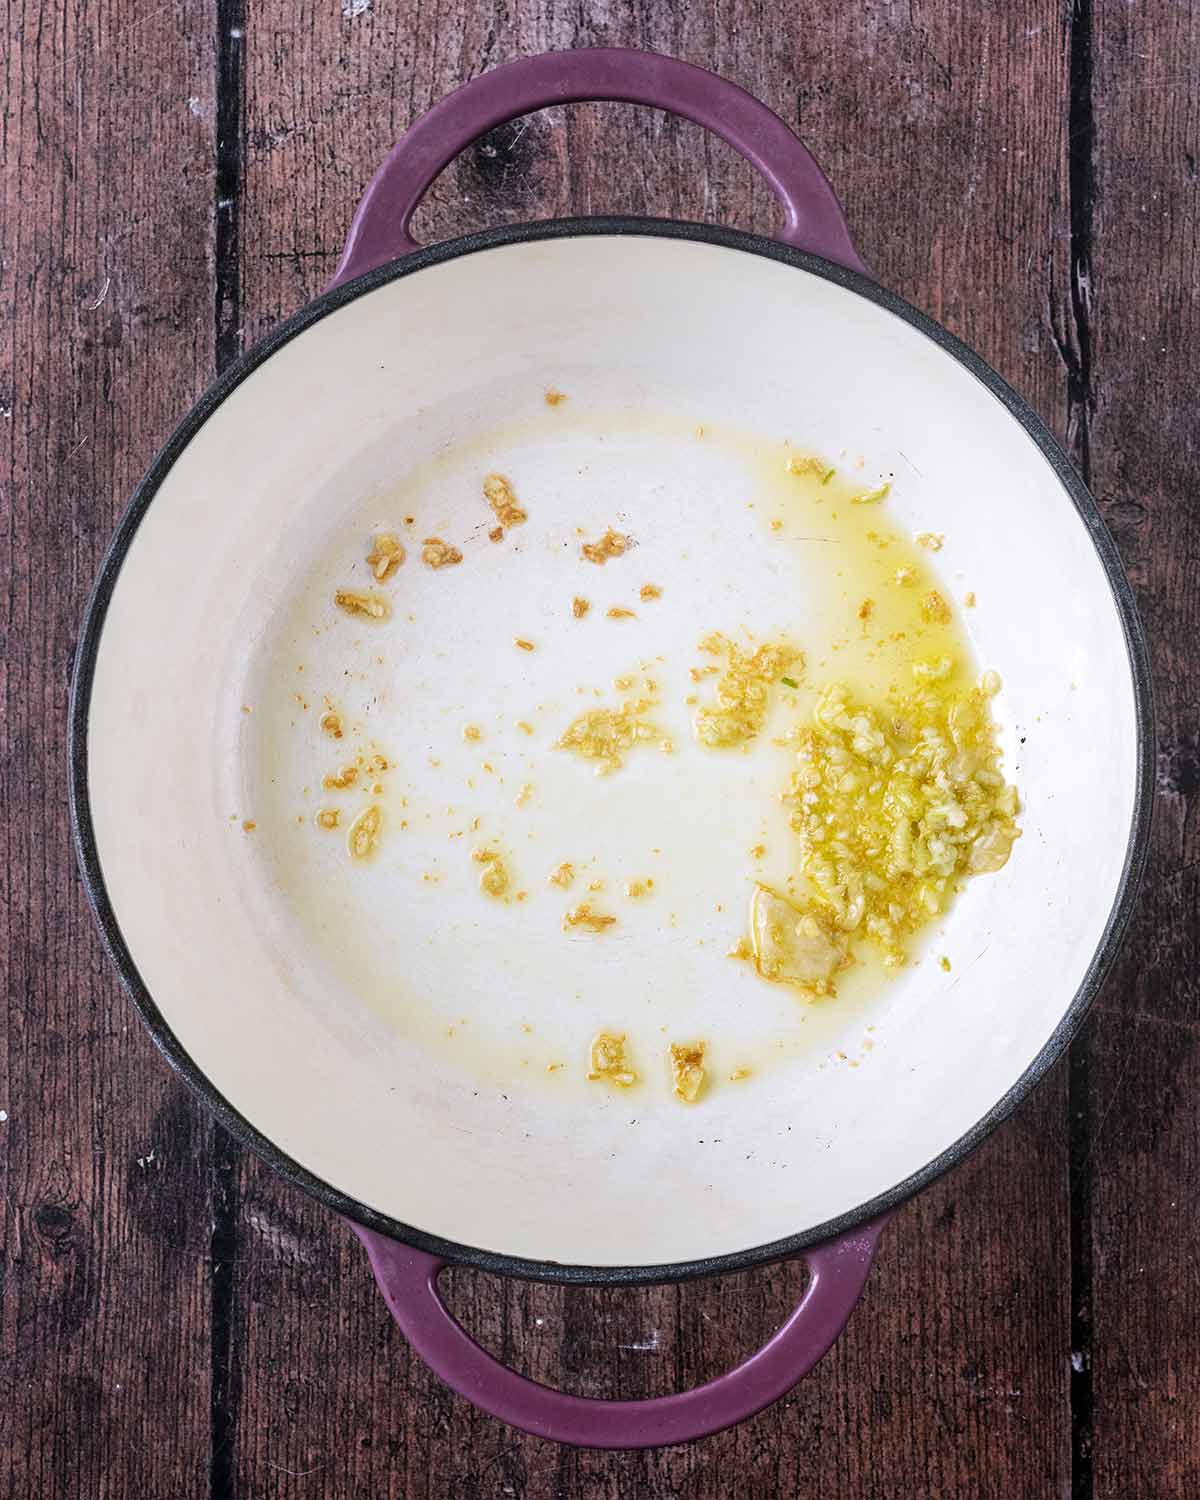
{"x":328,"y":817}
{"x":579,"y":607}
{"x":687,"y":1070}
{"x":370,"y":606}
{"x":493,"y":879}
{"x":331,"y":723}
{"x":554,"y":398}
{"x":362,"y":837}
{"x":500,"y":495}
{"x":934,"y":609}
{"x":619,"y":612}
{"x":611,"y":544}
{"x":338,"y":781}
{"x":523,"y":645}
{"x":739,"y":1073}
{"x":650,"y":591}
{"x":496,"y":534}
{"x":608,"y":1060}
{"x":436,"y":553}
{"x":472,"y":732}
{"x":636,"y":889}
{"x":583,"y":916}
{"x":563,"y":875}
{"x":249,"y":825}
{"x":866,"y":609}
{"x":606,"y":734}
{"x":741,"y":703}
{"x":386,"y":556}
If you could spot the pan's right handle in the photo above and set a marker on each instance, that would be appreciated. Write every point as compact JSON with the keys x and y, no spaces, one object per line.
{"x":408,"y":1280}
{"x":812,"y":216}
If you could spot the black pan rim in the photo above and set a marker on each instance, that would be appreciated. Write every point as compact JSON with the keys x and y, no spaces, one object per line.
{"x":238,"y":1125}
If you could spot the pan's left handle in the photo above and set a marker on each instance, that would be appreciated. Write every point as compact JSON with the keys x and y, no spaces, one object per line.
{"x":408,"y":1280}
{"x":812,"y":217}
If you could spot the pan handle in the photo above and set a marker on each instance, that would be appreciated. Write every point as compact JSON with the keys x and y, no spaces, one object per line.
{"x":408,"y":1280}
{"x":380,"y":230}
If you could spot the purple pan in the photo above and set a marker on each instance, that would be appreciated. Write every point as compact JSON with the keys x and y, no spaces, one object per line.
{"x":163,"y":920}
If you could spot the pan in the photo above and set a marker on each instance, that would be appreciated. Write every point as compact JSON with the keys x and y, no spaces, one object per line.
{"x":435,"y":731}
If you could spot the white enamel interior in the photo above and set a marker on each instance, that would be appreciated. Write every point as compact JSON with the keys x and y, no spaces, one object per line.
{"x":576,"y":1173}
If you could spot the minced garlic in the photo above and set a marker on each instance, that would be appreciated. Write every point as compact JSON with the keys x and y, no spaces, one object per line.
{"x":934,"y":609}
{"x":741,"y":703}
{"x":331,"y":723}
{"x":370,"y":606}
{"x":893,"y":807}
{"x":579,"y":607}
{"x":493,"y":878}
{"x":650,"y":591}
{"x":606,"y":734}
{"x":386,"y":556}
{"x":808,"y":463}
{"x":563,"y":875}
{"x":500,"y":495}
{"x":362,"y":837}
{"x":687,"y":1070}
{"x":608,"y":1060}
{"x":328,"y":817}
{"x":611,"y":544}
{"x":338,"y":781}
{"x":436,"y":553}
{"x":583,"y":916}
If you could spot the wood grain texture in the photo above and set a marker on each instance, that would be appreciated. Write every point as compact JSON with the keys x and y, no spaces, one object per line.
{"x":949,"y":145}
{"x":105,"y":338}
{"x":174,"y":1320}
{"x":1143,"y":1063}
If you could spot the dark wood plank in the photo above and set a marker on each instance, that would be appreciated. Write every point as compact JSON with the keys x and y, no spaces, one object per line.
{"x":1142,"y":1127}
{"x":948,"y":142}
{"x":105,"y":338}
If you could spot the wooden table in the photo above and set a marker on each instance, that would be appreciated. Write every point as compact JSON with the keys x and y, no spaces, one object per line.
{"x":177,"y":1323}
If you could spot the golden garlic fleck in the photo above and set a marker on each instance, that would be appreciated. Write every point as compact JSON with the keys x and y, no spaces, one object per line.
{"x":500,"y":495}
{"x":619,"y":612}
{"x":386,"y":556}
{"x":436,"y":553}
{"x":583,"y":916}
{"x":611,"y":544}
{"x":580,"y":607}
{"x":608,"y":1060}
{"x":740,"y":706}
{"x":563,"y":875}
{"x":369,"y":606}
{"x":650,"y":591}
{"x":329,"y":817}
{"x":338,"y":781}
{"x":934,"y":609}
{"x":493,"y":878}
{"x":687,"y":1070}
{"x":362,"y":837}
{"x":331,"y":723}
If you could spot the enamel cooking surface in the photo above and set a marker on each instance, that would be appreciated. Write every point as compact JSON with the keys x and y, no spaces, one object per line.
{"x":236,"y":936}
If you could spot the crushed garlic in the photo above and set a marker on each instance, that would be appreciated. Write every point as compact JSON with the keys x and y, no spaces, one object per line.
{"x":362,"y":837}
{"x":741,"y":701}
{"x":370,"y":606}
{"x":386,"y":556}
{"x":436,"y":553}
{"x":500,"y":495}
{"x":611,"y":544}
{"x":608,"y":1060}
{"x":687,"y":1070}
